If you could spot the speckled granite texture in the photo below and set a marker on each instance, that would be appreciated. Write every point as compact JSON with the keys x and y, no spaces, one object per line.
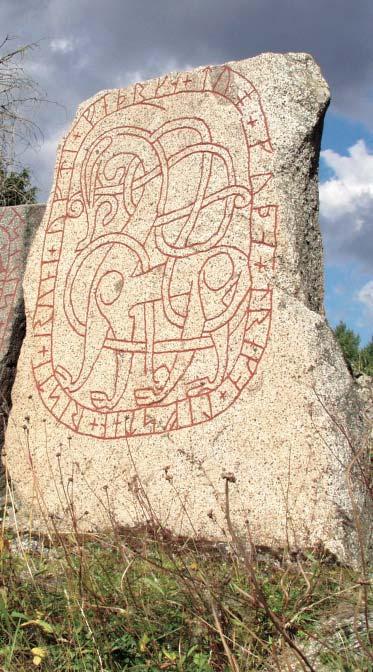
{"x":175,"y":322}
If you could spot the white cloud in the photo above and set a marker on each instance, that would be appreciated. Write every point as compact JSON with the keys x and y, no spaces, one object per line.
{"x":62,"y":45}
{"x":352,"y":184}
{"x":365,"y":296}
{"x":346,"y":204}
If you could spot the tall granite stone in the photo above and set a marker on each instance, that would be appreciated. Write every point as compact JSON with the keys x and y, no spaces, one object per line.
{"x":17,"y":227}
{"x":176,"y":340}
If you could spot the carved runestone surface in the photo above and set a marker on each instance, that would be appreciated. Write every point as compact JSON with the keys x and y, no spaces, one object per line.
{"x":17,"y":228}
{"x":175,"y":327}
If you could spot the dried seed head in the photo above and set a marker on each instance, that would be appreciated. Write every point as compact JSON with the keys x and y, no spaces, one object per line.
{"x":229,"y":476}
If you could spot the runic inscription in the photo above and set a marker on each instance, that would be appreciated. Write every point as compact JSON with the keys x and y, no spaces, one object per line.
{"x":154,"y":305}
{"x":11,"y":268}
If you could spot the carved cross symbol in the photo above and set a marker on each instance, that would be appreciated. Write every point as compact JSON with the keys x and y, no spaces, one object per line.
{"x":240,"y":100}
{"x":260,"y":264}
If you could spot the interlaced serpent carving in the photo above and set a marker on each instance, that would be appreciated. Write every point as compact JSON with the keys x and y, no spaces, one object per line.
{"x":151,"y":316}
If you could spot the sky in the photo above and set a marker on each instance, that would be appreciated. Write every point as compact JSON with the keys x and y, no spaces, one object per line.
{"x":88,"y":45}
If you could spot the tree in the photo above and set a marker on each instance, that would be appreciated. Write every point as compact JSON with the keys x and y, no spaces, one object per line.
{"x":18,"y":95}
{"x":15,"y":187}
{"x":359,"y":359}
{"x":349,"y":342}
{"x":366,"y":357}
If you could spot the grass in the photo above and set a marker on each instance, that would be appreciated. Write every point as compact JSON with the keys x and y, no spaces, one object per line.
{"x":146,"y":602}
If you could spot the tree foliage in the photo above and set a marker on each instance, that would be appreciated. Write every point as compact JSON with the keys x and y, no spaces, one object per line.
{"x":19,"y":94}
{"x":349,"y":342}
{"x":366,"y":355}
{"x":359,"y":359}
{"x":15,"y":187}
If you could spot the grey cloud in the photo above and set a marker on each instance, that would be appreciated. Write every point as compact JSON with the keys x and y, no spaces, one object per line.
{"x":343,"y":242}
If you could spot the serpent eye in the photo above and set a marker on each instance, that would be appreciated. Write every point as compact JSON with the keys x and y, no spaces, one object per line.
{"x":110,"y":287}
{"x":217,"y":271}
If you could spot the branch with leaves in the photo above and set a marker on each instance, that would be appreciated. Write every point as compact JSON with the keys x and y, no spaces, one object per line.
{"x":19,"y":95}
{"x":359,"y":359}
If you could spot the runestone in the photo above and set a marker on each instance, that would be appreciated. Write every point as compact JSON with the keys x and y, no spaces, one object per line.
{"x":165,"y":269}
{"x":166,"y":289}
{"x":17,"y":227}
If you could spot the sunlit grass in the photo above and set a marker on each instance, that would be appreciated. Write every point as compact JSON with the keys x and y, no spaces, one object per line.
{"x":137,"y":602}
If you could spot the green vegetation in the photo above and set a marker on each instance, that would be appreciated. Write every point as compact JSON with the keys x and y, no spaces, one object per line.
{"x":137,"y":603}
{"x":360,"y":359}
{"x":19,"y":97}
{"x":366,"y":358}
{"x":15,"y":187}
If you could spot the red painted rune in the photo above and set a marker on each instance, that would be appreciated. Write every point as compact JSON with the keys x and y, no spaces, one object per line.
{"x":150,"y":297}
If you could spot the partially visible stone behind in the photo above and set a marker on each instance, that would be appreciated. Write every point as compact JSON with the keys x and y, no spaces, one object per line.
{"x":17,"y":227}
{"x":176,"y":341}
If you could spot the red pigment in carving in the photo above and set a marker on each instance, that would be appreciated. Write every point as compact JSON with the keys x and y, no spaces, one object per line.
{"x":175,"y":309}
